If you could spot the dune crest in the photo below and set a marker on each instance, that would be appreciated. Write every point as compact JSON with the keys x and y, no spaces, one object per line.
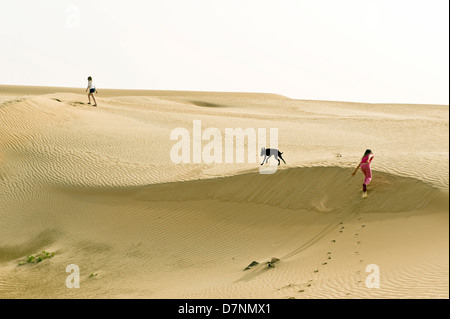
{"x":310,"y":188}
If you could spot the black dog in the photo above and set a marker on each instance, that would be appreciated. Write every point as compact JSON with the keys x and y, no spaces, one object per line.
{"x":268,"y":152}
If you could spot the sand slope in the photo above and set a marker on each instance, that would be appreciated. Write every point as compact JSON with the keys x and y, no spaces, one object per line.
{"x":97,"y":187}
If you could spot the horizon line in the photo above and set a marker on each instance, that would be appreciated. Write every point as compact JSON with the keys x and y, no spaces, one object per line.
{"x":2,"y":86}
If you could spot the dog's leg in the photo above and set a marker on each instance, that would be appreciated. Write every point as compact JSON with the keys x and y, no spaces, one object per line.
{"x":268,"y":158}
{"x":264,"y":159}
{"x":279,"y":155}
{"x":276,"y":158}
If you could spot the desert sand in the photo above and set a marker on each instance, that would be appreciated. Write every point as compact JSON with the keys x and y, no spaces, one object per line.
{"x":97,"y":187}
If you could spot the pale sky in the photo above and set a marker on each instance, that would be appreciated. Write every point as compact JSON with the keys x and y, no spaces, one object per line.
{"x":347,"y":50}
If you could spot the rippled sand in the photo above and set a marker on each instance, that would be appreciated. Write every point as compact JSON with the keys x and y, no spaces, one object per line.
{"x":97,"y":187}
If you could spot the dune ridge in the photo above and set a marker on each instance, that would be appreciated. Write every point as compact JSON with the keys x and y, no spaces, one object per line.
{"x":308,"y":188}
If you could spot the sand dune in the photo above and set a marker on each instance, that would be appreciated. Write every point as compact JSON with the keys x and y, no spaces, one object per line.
{"x":97,"y":187}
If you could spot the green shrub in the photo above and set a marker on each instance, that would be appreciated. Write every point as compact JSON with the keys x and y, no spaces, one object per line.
{"x":36,"y":258}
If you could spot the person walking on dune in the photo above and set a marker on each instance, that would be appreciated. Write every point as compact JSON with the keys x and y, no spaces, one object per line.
{"x":92,"y":90}
{"x":365,"y":168}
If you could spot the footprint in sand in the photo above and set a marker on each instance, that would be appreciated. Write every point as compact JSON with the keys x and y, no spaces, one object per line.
{"x":287,"y":286}
{"x":355,"y":235}
{"x":333,"y":241}
{"x":308,"y":285}
{"x":362,"y":226}
{"x":290,"y":286}
{"x":324,"y":264}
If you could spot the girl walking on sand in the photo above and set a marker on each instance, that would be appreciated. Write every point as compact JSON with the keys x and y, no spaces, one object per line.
{"x":365,"y":168}
{"x":92,"y":90}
